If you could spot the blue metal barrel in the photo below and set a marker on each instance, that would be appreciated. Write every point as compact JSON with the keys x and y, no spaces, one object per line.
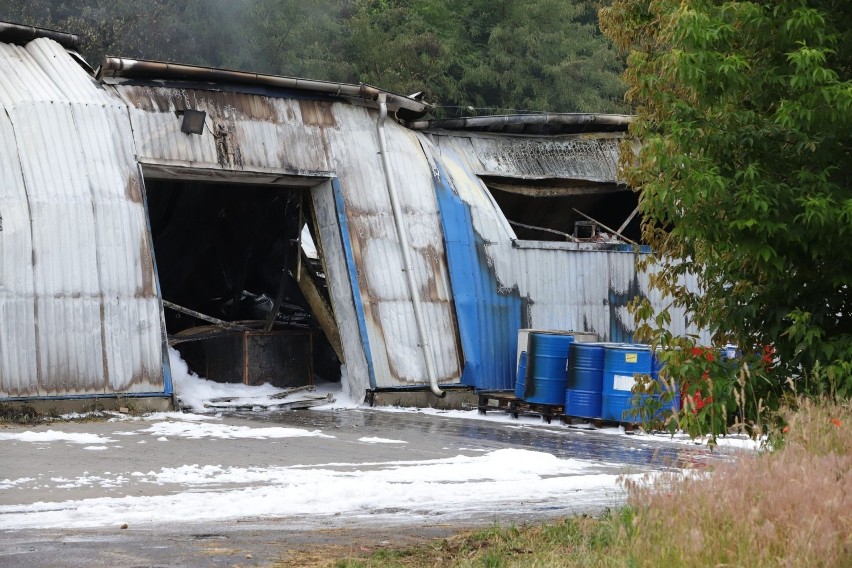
{"x":547,"y":366}
{"x":584,"y":395}
{"x":521,"y":376}
{"x":621,"y":364}
{"x":674,"y":404}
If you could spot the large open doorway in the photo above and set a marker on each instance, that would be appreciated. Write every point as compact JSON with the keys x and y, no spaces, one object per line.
{"x":243,"y":282}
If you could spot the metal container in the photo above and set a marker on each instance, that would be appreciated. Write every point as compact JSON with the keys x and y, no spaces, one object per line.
{"x":621,"y":365}
{"x":547,"y":365}
{"x":281,"y":358}
{"x":521,"y":376}
{"x":584,"y":395}
{"x":579,"y":337}
{"x":674,"y":404}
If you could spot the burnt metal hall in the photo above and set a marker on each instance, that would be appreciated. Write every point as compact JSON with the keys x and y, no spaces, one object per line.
{"x":277,"y":229}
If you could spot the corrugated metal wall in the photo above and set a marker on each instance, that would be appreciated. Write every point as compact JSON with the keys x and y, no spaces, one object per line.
{"x":396,"y":355}
{"x":79,"y":313}
{"x":488,"y":314}
{"x":533,"y":284}
{"x":252,"y":134}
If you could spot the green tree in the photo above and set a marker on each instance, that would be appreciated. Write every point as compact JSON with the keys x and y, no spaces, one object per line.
{"x":409,"y":46}
{"x":549,"y":55}
{"x":492,"y":55}
{"x":294,"y":37}
{"x":203,"y":32}
{"x":744,"y":113}
{"x":470,"y":56}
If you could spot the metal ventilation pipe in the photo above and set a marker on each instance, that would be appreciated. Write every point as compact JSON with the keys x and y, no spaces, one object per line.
{"x":403,"y":245}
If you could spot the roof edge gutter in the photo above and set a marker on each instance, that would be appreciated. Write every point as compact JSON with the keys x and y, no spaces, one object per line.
{"x":139,"y":68}
{"x":404,"y":248}
{"x":473,"y":122}
{"x":22,"y":35}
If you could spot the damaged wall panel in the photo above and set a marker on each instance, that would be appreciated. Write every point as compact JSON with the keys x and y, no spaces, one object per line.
{"x":396,"y":354}
{"x":249,"y":133}
{"x":591,"y":157}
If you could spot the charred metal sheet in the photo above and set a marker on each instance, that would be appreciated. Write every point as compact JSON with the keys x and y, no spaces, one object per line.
{"x":77,"y":290}
{"x":22,"y":35}
{"x":550,"y":187}
{"x":320,"y":308}
{"x":589,"y":157}
{"x":317,"y":113}
{"x":244,"y":132}
{"x":534,"y":124}
{"x":163,"y":169}
{"x":573,"y":157}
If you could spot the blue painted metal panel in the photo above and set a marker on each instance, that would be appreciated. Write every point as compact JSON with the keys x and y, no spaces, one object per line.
{"x":353,"y":277}
{"x":488,"y":321}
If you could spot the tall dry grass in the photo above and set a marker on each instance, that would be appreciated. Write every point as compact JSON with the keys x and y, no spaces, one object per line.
{"x":789,"y":507}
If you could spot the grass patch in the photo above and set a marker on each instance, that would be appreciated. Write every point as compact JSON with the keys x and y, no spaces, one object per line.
{"x":788,"y":507}
{"x":22,"y":414}
{"x":577,"y":541}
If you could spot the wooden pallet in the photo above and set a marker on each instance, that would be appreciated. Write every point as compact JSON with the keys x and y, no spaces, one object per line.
{"x":596,"y":423}
{"x":514,"y":406}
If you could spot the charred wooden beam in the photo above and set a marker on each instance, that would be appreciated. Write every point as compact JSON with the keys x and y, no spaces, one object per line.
{"x":204,"y":317}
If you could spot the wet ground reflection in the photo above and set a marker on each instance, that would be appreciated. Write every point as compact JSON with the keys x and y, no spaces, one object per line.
{"x":563,"y":442}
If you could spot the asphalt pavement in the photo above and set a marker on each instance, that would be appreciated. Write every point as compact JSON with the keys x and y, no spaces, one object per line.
{"x":45,"y":473}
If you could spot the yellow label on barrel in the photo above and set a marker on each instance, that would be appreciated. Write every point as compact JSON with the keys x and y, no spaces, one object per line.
{"x":631,"y":357}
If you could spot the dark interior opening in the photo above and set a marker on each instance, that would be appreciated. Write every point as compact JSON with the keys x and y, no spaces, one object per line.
{"x":228,"y":258}
{"x":544,"y":210}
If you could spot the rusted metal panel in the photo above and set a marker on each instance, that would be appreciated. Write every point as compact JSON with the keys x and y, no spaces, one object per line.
{"x":254,"y":357}
{"x":86,"y":316}
{"x":116,"y":69}
{"x":242,"y":131}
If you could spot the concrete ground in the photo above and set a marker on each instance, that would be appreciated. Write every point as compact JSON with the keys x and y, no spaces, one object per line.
{"x":253,"y":541}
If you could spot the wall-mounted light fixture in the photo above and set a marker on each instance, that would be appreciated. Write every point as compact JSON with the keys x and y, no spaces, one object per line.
{"x":193,"y":121}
